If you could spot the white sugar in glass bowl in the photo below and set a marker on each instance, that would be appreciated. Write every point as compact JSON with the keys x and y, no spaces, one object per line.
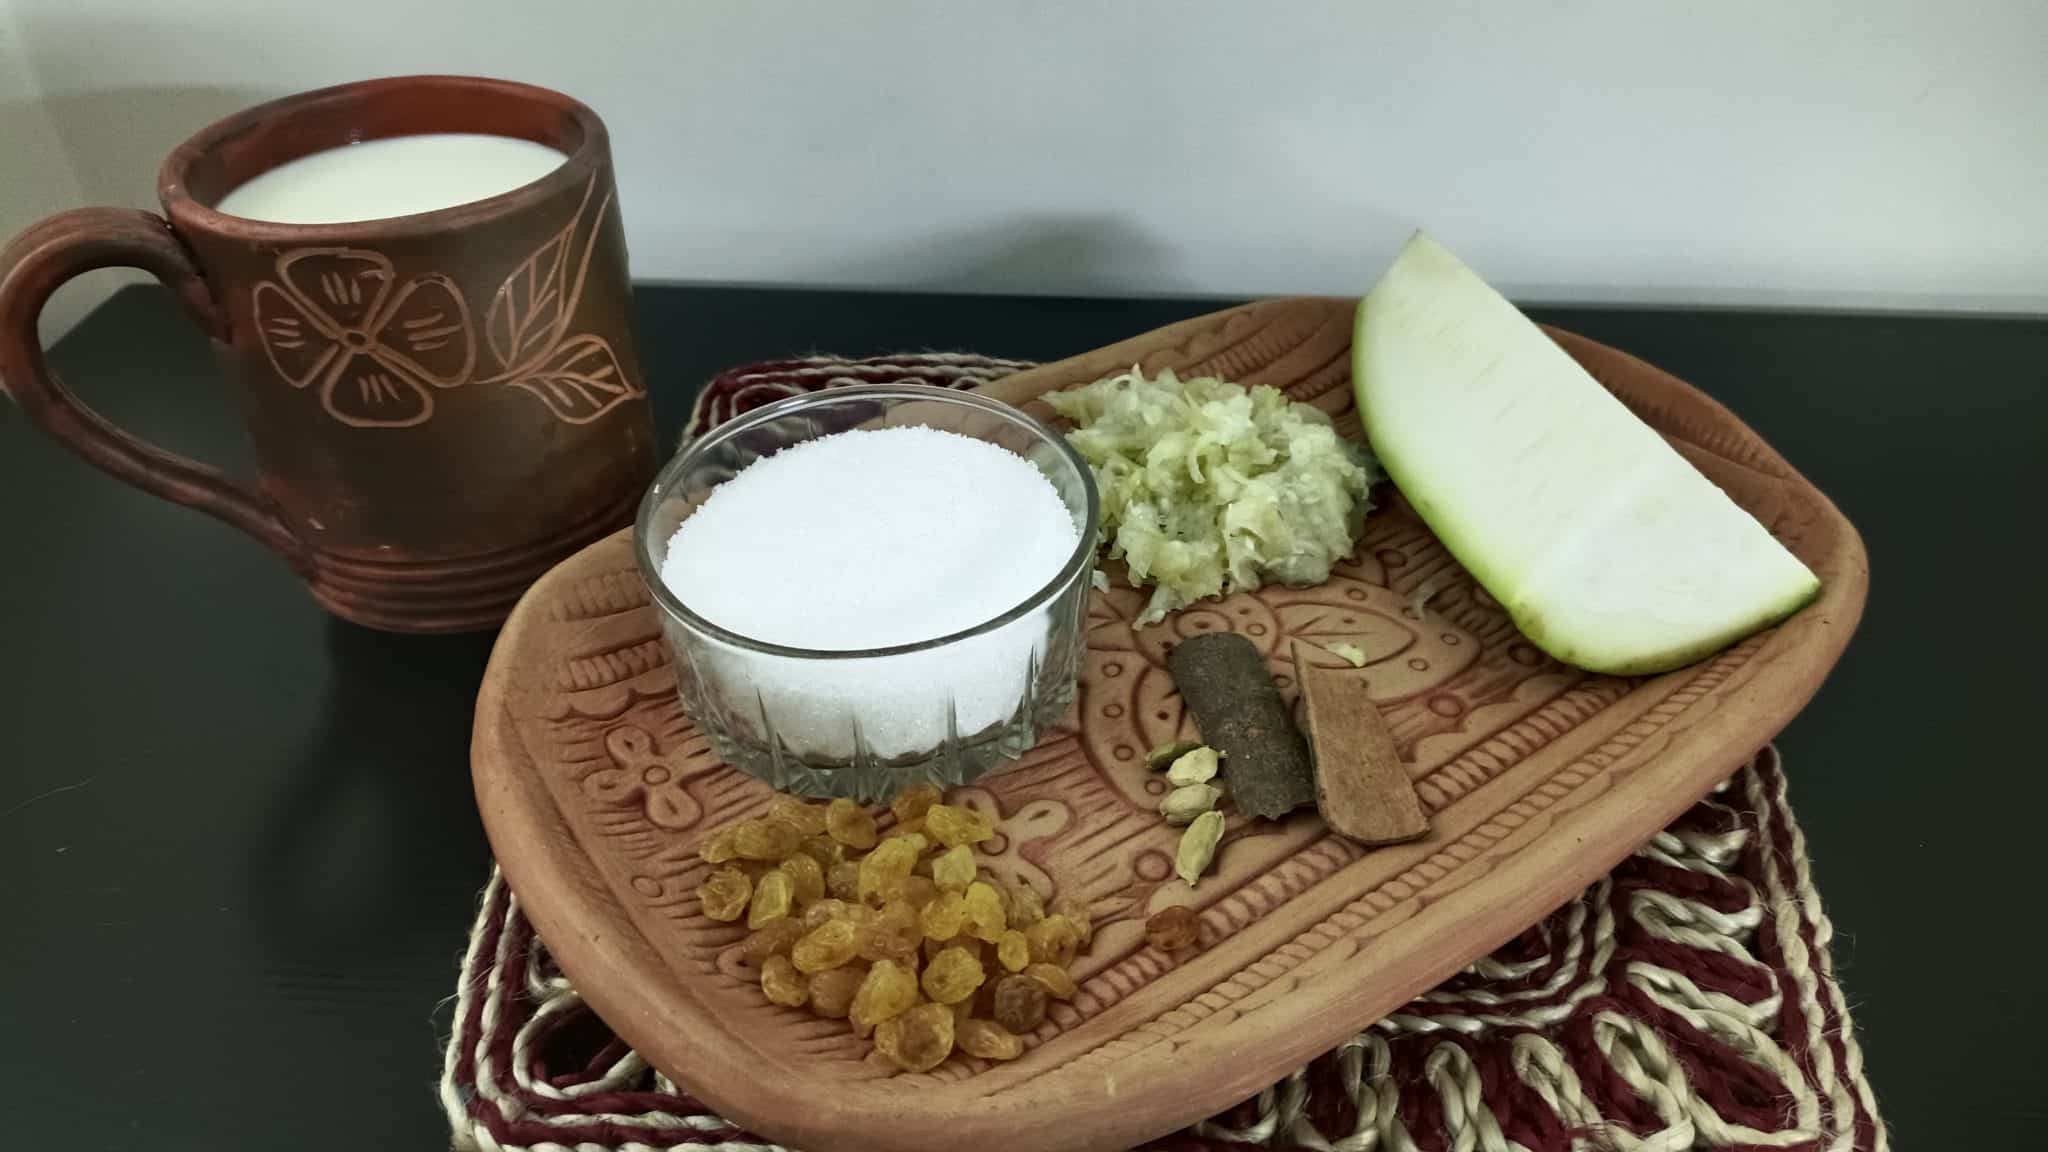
{"x":793,"y":609}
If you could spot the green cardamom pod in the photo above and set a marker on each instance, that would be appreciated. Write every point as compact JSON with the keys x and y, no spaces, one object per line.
{"x":1198,"y":846}
{"x":1184,"y":804}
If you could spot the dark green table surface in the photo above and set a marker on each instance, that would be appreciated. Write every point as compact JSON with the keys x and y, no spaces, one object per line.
{"x":238,"y":852}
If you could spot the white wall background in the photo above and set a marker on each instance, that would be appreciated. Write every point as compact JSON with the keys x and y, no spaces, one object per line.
{"x":1834,"y":152}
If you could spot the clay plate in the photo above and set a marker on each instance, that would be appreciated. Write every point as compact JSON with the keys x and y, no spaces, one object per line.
{"x":596,"y":792}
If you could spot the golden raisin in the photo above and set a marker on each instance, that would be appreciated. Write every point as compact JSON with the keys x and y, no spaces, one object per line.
{"x":1025,"y":906}
{"x":888,"y":863}
{"x":808,"y":819}
{"x":916,"y":891}
{"x":842,"y":880}
{"x":717,"y":848}
{"x":1075,"y":911}
{"x":1173,"y":929}
{"x":824,"y":849}
{"x":723,"y":894}
{"x":953,"y":869}
{"x":807,"y":880}
{"x":827,"y":946}
{"x":944,"y":916}
{"x":891,"y":933}
{"x":889,"y":990}
{"x":919,"y":1040}
{"x":909,"y":828}
{"x":783,"y":984}
{"x":832,"y":990}
{"x":985,"y":918}
{"x":1002,"y":891}
{"x":987,"y":996}
{"x":987,"y":1039}
{"x":1053,"y":940}
{"x":826,"y":910}
{"x":956,"y":826}
{"x":1012,"y":952}
{"x":911,"y":803}
{"x":1058,"y":984}
{"x":773,"y":897}
{"x":775,"y":938}
{"x":850,"y":824}
{"x":952,"y":976}
{"x":1019,"y":1004}
{"x":769,"y":839}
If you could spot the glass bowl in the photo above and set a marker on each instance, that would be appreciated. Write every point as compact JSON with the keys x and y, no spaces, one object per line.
{"x":867,"y":724}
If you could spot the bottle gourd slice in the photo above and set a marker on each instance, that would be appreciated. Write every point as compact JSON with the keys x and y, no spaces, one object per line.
{"x":1608,"y":548}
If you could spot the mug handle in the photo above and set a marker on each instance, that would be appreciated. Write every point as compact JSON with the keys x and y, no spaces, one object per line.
{"x":34,"y":266}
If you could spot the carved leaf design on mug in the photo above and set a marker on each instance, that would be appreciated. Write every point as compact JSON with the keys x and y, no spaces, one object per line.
{"x":581,"y":381}
{"x":579,"y":378}
{"x":529,"y":311}
{"x":332,"y":319}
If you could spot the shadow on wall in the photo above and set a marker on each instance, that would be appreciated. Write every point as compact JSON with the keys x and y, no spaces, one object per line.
{"x":38,"y":171}
{"x":107,"y":148}
{"x":115,"y":139}
{"x":1069,"y":254}
{"x":1074,"y":254}
{"x":1084,"y":255}
{"x":36,"y":181}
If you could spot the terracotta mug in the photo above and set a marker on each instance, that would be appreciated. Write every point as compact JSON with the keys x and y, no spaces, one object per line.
{"x":442,"y":405}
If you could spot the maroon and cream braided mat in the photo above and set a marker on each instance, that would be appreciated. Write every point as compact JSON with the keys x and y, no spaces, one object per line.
{"x":1687,"y":1000}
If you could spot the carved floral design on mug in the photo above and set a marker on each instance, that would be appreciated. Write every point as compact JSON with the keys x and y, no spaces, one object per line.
{"x":332,"y":318}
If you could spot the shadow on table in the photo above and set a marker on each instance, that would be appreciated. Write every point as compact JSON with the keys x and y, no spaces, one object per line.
{"x":376,"y":821}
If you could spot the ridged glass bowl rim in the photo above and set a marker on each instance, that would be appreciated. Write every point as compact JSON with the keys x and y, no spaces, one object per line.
{"x":650,"y":569}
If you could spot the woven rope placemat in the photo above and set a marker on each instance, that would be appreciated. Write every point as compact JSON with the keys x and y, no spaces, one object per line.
{"x":1686,"y":1000}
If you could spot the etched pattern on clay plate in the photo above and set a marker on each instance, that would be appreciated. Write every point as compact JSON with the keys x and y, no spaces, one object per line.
{"x":1503,"y":743}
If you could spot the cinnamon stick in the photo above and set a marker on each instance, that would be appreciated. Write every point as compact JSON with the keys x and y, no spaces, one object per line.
{"x":1224,"y":682}
{"x":1362,"y":788}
